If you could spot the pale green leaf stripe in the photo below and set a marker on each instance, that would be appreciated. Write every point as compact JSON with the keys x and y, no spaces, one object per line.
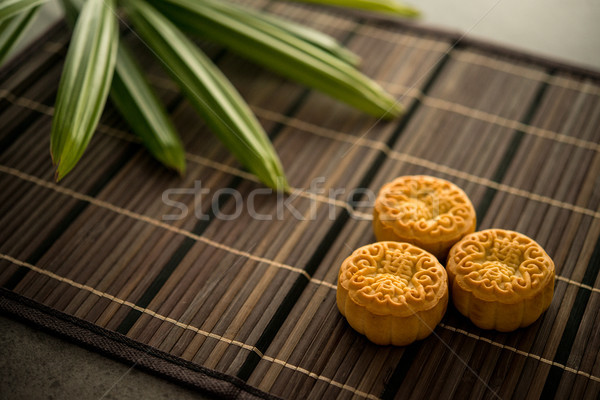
{"x":314,"y":37}
{"x":12,"y":29}
{"x":139,"y":105}
{"x":84,"y":83}
{"x":213,"y":96}
{"x":382,"y":6}
{"x":10,"y":8}
{"x":305,"y":33}
{"x":282,"y":52}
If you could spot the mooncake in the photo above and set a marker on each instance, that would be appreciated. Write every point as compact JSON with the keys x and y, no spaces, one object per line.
{"x":428,"y":212}
{"x":391,"y":292}
{"x":500,"y":279}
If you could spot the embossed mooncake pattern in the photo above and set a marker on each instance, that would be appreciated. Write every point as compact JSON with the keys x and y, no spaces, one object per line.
{"x":428,"y":212}
{"x":391,"y":292}
{"x":500,"y":279}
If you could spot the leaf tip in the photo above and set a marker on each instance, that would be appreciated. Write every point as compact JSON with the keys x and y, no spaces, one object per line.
{"x":283,"y":185}
{"x":410,"y":12}
{"x":61,"y":171}
{"x":173,"y":158}
{"x":57,"y":177}
{"x":395,"y":111}
{"x":180,"y":169}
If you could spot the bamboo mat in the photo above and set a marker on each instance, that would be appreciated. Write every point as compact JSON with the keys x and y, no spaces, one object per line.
{"x":255,"y":299}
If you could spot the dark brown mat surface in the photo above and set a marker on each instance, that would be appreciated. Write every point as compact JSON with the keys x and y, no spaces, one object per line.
{"x":255,"y":298}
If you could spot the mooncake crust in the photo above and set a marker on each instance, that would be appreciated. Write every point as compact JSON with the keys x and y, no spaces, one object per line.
{"x":392,"y":292}
{"x":429,"y":212}
{"x":500,"y":279}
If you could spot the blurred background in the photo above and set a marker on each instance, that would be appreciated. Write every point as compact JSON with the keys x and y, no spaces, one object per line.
{"x":566,"y":30}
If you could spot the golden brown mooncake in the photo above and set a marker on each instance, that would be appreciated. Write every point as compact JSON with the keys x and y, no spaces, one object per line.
{"x":428,"y":212}
{"x":391,"y":292}
{"x":500,"y":279}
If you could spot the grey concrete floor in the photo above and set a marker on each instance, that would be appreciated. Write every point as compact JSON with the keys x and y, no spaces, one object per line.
{"x":566,"y":30}
{"x":36,"y":365}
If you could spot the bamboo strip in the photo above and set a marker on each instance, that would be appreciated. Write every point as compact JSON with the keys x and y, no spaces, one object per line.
{"x":331,"y":285}
{"x":511,"y":67}
{"x":449,"y":106}
{"x":153,"y":314}
{"x":385,"y":173}
{"x":565,"y":278}
{"x":231,"y":316}
{"x":526,"y":222}
{"x":400,"y":156}
{"x":256,"y":287}
{"x":201,"y":355}
{"x":494,"y":119}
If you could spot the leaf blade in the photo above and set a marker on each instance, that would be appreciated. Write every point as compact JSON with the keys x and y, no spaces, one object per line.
{"x":303,"y":32}
{"x":283,"y":53}
{"x":10,"y":8}
{"x":84,"y":83}
{"x":140,"y":107}
{"x":11,"y":30}
{"x":212,"y":95}
{"x":381,"y":6}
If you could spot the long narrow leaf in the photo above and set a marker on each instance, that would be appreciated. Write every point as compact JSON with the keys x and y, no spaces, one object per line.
{"x":12,"y":29}
{"x":213,"y":96}
{"x":282,"y":52}
{"x":84,"y":83}
{"x":139,"y":105}
{"x":381,"y":6}
{"x":10,"y":8}
{"x":314,"y":37}
{"x":302,"y":32}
